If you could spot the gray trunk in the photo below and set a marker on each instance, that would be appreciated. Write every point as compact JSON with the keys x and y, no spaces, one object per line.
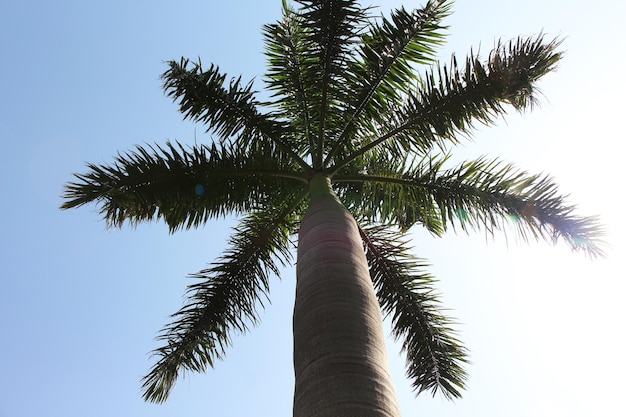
{"x":340,"y":358}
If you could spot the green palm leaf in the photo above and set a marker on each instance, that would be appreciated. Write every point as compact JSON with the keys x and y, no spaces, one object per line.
{"x":225,"y":301}
{"x":476,"y":194}
{"x":378,"y":192}
{"x":450,"y":101}
{"x":435,"y":357}
{"x":230,"y":111}
{"x":204,"y":97}
{"x":183,"y":186}
{"x":381,"y":72}
{"x":332,"y":27}
{"x":288,"y":76}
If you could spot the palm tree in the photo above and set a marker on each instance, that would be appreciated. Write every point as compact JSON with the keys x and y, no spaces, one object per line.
{"x":350,"y":153}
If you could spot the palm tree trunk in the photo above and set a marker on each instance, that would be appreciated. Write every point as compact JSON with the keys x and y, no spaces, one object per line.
{"x":340,"y":358}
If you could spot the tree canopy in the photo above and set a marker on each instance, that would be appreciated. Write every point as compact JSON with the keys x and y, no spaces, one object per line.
{"x":362,"y":99}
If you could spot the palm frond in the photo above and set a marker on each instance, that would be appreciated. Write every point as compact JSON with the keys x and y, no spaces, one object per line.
{"x":435,"y":357}
{"x":331,"y":26}
{"x":184,"y":186}
{"x":225,"y":301}
{"x":382,"y":71}
{"x":205,"y":96}
{"x":289,"y":78}
{"x":490,"y":194}
{"x":376,"y":190}
{"x":477,"y":194}
{"x":229,"y":111}
{"x":451,"y":100}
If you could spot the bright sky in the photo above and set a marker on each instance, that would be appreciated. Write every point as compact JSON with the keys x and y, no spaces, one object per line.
{"x":80,"y":305}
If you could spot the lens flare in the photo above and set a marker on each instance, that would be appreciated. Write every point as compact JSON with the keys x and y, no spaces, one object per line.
{"x":199,"y":189}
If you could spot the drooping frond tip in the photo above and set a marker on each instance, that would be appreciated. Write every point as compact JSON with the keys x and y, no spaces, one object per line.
{"x":482,"y":194}
{"x":495,"y":196}
{"x":225,"y":300}
{"x":520,"y":63}
{"x":435,"y":358}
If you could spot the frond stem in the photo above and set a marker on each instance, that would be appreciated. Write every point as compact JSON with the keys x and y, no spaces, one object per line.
{"x":332,"y":170}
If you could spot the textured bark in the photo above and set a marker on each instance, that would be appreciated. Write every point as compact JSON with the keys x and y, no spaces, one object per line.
{"x":340,"y":358}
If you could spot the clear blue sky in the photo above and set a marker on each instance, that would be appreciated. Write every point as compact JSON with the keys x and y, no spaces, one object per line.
{"x":80,"y":305}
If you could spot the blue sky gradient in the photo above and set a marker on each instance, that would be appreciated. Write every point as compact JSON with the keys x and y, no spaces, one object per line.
{"x":80,"y":305}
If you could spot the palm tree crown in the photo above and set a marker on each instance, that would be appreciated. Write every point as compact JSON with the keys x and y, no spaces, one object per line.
{"x":348,"y":103}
